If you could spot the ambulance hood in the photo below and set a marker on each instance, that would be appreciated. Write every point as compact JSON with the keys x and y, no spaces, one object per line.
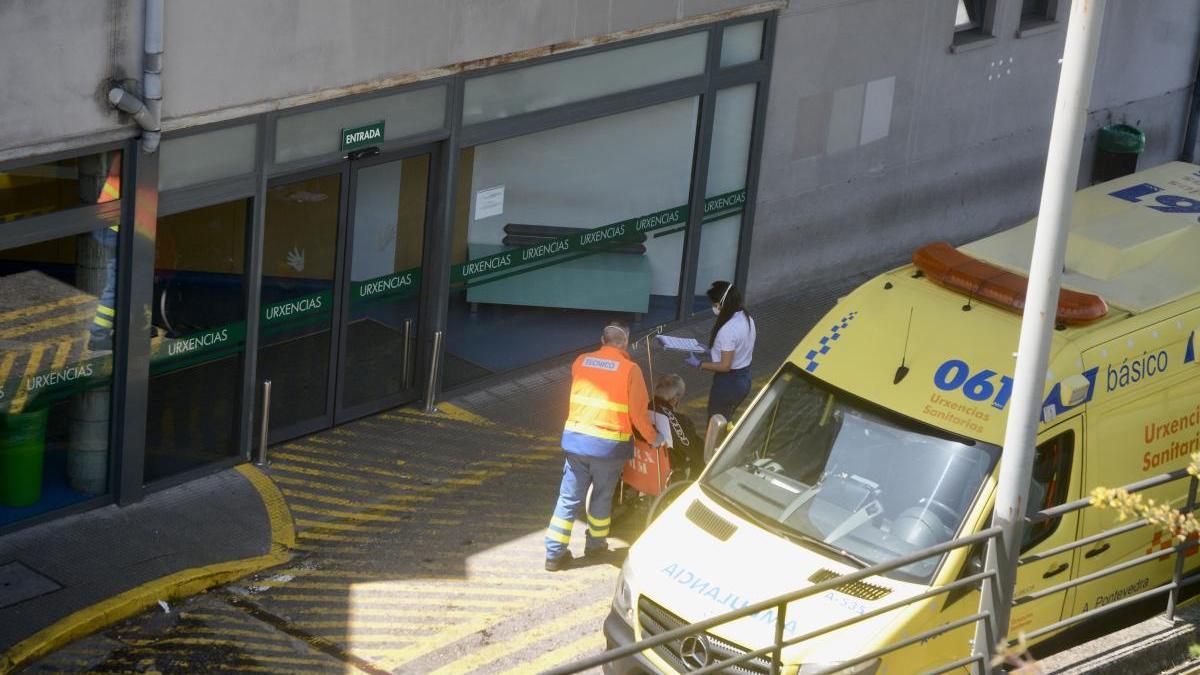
{"x":694,"y":575}
{"x":957,"y":355}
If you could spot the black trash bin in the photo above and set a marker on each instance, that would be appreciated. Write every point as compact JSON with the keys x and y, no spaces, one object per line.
{"x":1117,"y":150}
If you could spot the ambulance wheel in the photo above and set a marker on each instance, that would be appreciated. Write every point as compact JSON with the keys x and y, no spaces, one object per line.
{"x":665,"y":498}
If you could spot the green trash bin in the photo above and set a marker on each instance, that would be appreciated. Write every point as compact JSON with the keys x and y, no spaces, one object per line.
{"x":22,"y":448}
{"x":1117,"y":150}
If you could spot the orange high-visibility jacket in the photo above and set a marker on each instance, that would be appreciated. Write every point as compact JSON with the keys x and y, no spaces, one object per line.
{"x":609,"y":403}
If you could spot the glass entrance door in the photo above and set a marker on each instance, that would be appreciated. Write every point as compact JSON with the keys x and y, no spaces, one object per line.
{"x":296,"y":327}
{"x":387,"y":239}
{"x":341,"y":291}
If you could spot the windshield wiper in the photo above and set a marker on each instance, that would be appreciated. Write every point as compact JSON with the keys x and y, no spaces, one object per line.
{"x":782,"y":530}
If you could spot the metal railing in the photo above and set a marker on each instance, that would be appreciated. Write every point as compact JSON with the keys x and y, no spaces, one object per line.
{"x":779,"y":605}
{"x":981,"y":655}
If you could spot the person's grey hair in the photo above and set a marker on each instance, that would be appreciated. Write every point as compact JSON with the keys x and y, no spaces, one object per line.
{"x":670,"y":387}
{"x":615,"y":334}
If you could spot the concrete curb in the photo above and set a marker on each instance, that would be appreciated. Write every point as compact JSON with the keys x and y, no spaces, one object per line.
{"x":1155,"y":645}
{"x":180,"y":584}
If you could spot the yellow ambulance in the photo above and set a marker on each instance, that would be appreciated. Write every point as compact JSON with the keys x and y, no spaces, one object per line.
{"x":881,"y":436}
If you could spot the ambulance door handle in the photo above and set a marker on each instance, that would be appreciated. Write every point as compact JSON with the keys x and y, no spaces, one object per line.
{"x":1097,"y":551}
{"x":1057,"y":570}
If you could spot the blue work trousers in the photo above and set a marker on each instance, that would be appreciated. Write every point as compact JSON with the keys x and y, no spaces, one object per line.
{"x":106,"y":308}
{"x":602,"y":474}
{"x":728,"y":391}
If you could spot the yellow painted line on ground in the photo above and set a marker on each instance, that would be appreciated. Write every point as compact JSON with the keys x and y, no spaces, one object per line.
{"x":382,"y":603}
{"x":385,"y":614}
{"x":6,"y":364}
{"x":395,"y":501}
{"x":385,"y":624}
{"x":204,"y":642}
{"x":42,"y":308}
{"x":31,"y":367}
{"x":180,"y":584}
{"x":337,"y":488}
{"x":359,"y":479}
{"x":45,"y":324}
{"x":458,"y":414}
{"x":481,"y":657}
{"x":560,"y":656}
{"x":294,"y":660}
{"x":452,"y":634}
{"x":353,"y":576}
{"x":319,"y":461}
{"x":366,"y":516}
{"x":387,"y":589}
{"x":265,"y":632}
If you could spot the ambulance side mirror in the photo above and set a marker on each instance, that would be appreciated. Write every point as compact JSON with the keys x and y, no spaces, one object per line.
{"x":718,"y":427}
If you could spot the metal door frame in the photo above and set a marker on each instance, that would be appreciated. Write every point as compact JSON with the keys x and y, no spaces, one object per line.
{"x":341,"y":413}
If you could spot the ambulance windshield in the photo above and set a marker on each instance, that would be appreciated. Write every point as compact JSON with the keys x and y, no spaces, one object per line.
{"x":842,"y":475}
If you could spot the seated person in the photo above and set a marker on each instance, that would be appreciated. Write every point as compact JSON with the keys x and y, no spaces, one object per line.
{"x":684,"y":446}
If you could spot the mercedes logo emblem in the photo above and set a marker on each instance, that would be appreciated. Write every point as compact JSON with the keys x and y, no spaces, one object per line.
{"x":695,"y":652}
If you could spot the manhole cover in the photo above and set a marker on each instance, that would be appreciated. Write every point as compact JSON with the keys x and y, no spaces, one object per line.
{"x":18,"y":583}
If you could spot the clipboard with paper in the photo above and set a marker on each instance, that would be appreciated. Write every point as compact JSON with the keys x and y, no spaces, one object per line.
{"x":680,"y":344}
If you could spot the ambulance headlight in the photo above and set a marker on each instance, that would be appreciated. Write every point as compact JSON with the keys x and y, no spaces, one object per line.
{"x":623,"y":600}
{"x":867,"y":668}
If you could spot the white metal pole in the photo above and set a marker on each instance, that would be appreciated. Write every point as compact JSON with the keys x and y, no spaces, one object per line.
{"x":1041,"y":302}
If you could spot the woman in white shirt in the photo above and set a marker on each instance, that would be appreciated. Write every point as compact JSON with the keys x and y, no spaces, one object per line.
{"x":732,"y":350}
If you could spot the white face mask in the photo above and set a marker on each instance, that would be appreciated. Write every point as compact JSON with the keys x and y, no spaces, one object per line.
{"x":716,"y":311}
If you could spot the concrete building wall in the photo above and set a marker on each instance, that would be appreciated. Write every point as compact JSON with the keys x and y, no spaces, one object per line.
{"x":879,"y":139}
{"x":229,"y":58}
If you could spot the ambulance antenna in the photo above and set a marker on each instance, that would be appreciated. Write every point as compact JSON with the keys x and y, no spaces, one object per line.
{"x":903,"y":369}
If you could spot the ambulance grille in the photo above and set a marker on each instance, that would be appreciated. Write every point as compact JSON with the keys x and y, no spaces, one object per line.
{"x":705,"y":519}
{"x":857,"y":589}
{"x":655,"y":619}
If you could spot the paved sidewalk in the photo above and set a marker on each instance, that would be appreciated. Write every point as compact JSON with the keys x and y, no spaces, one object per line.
{"x":419,"y":541}
{"x":64,"y":579}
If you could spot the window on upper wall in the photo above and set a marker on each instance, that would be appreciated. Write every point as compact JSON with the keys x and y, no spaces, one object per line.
{"x":1037,"y":16}
{"x":973,"y":23}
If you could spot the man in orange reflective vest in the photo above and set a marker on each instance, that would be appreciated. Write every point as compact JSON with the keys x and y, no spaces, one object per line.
{"x":609,"y":404}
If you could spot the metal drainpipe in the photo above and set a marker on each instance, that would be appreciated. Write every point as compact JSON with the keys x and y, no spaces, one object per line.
{"x":147,"y":111}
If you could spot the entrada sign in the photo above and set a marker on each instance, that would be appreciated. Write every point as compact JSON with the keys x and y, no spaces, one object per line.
{"x":361,"y":137}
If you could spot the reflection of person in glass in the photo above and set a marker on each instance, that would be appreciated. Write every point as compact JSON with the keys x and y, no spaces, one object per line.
{"x":106,"y":306}
{"x":732,"y":349}
{"x":106,"y":241}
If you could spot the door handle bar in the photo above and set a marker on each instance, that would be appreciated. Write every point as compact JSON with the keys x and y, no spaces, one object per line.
{"x":1057,"y":570}
{"x":1097,"y":551}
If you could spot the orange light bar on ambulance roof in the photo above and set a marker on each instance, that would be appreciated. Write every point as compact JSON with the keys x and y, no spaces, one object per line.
{"x":949,"y":267}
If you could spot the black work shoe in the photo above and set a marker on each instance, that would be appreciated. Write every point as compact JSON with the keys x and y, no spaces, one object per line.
{"x":597,"y":552}
{"x":560,"y":563}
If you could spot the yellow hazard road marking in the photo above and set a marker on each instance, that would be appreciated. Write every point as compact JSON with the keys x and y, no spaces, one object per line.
{"x":560,"y":656}
{"x":481,"y":657}
{"x":385,"y":604}
{"x":388,"y":589}
{"x":384,"y":625}
{"x":359,"y":479}
{"x":472,"y":576}
{"x":368,"y":516}
{"x":6,"y":365}
{"x":31,"y":367}
{"x":452,"y":634}
{"x":339,"y":488}
{"x":318,"y":461}
{"x":202,"y":642}
{"x":343,"y":501}
{"x":383,"y":614}
{"x":45,"y":324}
{"x":42,"y":308}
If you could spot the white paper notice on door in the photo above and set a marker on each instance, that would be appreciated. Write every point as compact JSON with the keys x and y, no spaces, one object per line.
{"x":489,"y":202}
